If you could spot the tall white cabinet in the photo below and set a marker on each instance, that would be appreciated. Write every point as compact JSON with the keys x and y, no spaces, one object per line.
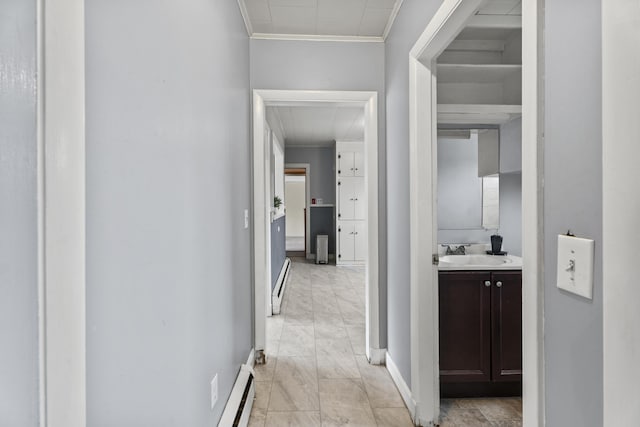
{"x":351,"y":208}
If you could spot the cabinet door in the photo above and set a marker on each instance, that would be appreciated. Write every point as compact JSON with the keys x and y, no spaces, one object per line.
{"x":359,"y":199}
{"x":345,"y":198}
{"x":358,"y":164}
{"x":345,"y":241}
{"x":506,"y":295}
{"x":465,"y":326}
{"x":360,"y":241}
{"x":345,"y":164}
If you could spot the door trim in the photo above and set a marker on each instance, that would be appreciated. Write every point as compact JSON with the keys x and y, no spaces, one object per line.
{"x":446,"y":23}
{"x":369,"y":101}
{"x":61,"y":213}
{"x":307,"y":201}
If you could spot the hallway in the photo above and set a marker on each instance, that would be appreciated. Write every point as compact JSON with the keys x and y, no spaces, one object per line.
{"x":316,"y":371}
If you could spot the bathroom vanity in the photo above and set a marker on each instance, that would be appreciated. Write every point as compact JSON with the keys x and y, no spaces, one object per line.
{"x":480,"y":315}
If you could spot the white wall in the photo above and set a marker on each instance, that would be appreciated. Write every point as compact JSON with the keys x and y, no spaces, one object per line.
{"x":18,"y":216}
{"x":295,"y":201}
{"x":168,"y":161}
{"x":573,"y":200}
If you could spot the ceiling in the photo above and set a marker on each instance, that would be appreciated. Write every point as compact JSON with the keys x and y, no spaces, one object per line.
{"x":318,"y":126}
{"x":332,"y":18}
{"x":501,"y":7}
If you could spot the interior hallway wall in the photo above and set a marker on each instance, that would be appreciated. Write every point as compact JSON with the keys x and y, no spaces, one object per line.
{"x":410,"y":23}
{"x":18,"y":215}
{"x":169,"y":284}
{"x":573,"y":200}
{"x":304,"y":65}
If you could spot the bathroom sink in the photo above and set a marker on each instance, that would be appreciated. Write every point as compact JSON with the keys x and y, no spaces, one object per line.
{"x":475,"y":260}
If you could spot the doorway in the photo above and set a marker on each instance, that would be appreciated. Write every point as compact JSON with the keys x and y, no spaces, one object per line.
{"x":296,"y":184}
{"x":448,"y":22}
{"x":261,"y":206}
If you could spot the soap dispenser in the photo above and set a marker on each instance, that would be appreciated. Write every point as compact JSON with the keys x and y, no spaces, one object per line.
{"x":496,"y":245}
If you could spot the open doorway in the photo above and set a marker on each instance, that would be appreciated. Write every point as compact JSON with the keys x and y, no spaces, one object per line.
{"x":366,"y":104}
{"x":295,"y":193}
{"x":473,"y":83}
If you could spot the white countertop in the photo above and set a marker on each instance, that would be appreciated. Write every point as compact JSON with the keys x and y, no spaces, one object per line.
{"x":473,"y":262}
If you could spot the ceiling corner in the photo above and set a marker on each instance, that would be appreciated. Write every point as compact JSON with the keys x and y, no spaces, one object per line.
{"x":245,"y":17}
{"x":392,"y":19}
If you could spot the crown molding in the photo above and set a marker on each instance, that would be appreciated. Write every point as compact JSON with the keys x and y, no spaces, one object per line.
{"x":392,"y":19}
{"x":316,"y":38}
{"x":245,"y":17}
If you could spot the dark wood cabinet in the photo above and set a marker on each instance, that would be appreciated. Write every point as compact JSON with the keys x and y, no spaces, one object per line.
{"x":480,"y":316}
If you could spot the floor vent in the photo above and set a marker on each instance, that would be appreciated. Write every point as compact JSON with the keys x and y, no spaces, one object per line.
{"x":238,"y":409}
{"x":278,"y":291}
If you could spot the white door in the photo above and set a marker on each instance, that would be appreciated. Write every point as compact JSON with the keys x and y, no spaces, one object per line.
{"x":345,"y":164}
{"x":359,"y":199}
{"x":360,"y":240}
{"x":345,"y":197}
{"x":345,"y":241}
{"x":358,"y":164}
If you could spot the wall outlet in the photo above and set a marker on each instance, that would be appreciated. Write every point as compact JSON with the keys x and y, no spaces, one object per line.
{"x":214,"y":391}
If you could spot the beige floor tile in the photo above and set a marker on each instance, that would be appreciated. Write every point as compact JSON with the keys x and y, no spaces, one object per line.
{"x":357,"y":337}
{"x":293,"y":419}
{"x":392,"y":417}
{"x":258,"y":417}
{"x":337,"y":367}
{"x":297,"y":340}
{"x":345,"y":403}
{"x":263,"y":391}
{"x":265,"y":372}
{"x":380,"y":387}
{"x":464,"y":417}
{"x":334,"y":347}
{"x":334,"y":330}
{"x":497,"y":410}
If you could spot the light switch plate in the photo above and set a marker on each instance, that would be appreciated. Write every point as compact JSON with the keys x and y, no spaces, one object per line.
{"x":246,"y":218}
{"x":214,"y":391}
{"x":575,"y":265}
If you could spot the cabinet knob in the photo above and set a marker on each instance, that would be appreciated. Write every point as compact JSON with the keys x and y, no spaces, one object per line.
{"x":499,"y":284}
{"x":487,"y":283}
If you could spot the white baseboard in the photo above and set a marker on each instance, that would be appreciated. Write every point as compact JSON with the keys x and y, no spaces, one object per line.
{"x":251,"y":360}
{"x":377,"y":356}
{"x":404,"y":389}
{"x":278,"y":290}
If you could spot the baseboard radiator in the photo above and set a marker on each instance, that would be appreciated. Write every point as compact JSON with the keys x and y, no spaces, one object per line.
{"x":238,"y":409}
{"x":278,"y":291}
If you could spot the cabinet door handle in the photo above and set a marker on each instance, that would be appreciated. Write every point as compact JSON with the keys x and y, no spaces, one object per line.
{"x":487,"y":283}
{"x":499,"y":284}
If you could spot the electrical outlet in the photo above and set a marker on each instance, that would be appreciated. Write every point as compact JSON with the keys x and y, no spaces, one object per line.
{"x":214,"y":391}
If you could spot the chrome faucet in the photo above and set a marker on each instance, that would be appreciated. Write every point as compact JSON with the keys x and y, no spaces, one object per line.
{"x":457,"y":251}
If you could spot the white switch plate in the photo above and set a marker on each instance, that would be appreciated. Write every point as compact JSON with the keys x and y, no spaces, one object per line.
{"x":214,"y":391}
{"x":575,"y":265}
{"x":246,"y":218}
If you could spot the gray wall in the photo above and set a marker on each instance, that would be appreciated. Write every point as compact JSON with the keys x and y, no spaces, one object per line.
{"x":573,"y":200}
{"x":278,"y":248}
{"x":410,"y":23}
{"x":18,"y":216}
{"x":300,"y":65}
{"x":168,"y":258}
{"x":322,"y":178}
{"x":323,"y":221}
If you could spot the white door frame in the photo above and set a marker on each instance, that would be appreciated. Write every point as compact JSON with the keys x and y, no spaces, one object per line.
{"x":369,"y":101}
{"x":445,"y":25}
{"x":620,"y":205}
{"x":61,"y":213}
{"x":307,"y":201}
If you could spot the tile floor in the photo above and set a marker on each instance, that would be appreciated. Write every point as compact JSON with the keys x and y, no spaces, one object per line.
{"x":317,"y":373}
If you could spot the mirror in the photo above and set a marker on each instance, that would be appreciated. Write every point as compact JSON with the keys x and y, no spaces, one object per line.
{"x":465,"y":201}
